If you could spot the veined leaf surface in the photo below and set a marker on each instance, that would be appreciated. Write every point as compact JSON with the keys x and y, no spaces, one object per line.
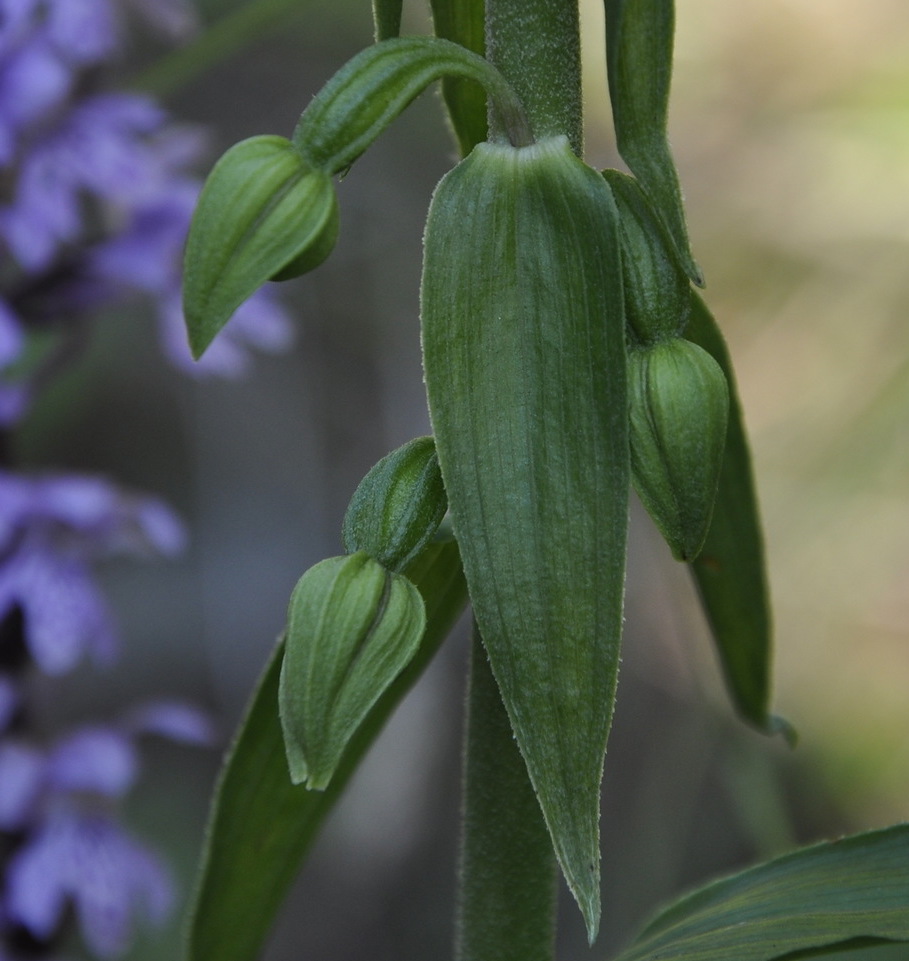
{"x":524,"y":352}
{"x":815,"y":901}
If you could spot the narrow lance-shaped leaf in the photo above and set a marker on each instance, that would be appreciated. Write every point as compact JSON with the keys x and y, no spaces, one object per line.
{"x":261,"y":826}
{"x":463,"y":22}
{"x":639,"y":39}
{"x":821,"y":899}
{"x":729,"y":572}
{"x":524,"y":353}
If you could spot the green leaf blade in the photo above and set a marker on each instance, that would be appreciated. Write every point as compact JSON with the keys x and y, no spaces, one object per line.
{"x":524,"y":357}
{"x":730,"y":570}
{"x":260,"y":825}
{"x":816,"y":900}
{"x":376,"y":85}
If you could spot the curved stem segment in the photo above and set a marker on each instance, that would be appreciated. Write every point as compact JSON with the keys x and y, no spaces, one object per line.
{"x":507,"y":909}
{"x":370,"y":90}
{"x":537,"y":46}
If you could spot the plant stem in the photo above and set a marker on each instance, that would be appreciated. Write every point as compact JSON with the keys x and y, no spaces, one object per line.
{"x":537,"y":46}
{"x":508,"y":869}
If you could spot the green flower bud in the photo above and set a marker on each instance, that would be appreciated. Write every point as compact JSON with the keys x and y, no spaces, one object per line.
{"x":264,"y":213}
{"x":398,"y":506}
{"x":679,"y":403}
{"x":657,"y":290}
{"x":352,"y":628}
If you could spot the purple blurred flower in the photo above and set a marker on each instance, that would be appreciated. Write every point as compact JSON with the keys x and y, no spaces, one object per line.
{"x":100,"y":184}
{"x":22,"y":769}
{"x":9,"y":702}
{"x":73,"y":852}
{"x":99,"y":760}
{"x":51,"y":529}
{"x":89,"y":861}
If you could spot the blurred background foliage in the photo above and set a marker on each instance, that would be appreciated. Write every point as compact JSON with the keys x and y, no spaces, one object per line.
{"x":790,"y":125}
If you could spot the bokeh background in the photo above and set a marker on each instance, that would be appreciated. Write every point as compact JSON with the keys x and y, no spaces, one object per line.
{"x":790,"y":126}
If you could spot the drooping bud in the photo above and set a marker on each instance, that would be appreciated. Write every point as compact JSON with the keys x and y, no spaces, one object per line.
{"x":679,"y":404}
{"x":352,"y":628}
{"x":657,"y":290}
{"x":264,"y":214}
{"x":398,"y":506}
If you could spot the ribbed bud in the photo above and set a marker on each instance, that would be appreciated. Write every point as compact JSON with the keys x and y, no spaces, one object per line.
{"x":352,"y":628}
{"x":679,"y":404}
{"x":264,"y":214}
{"x":398,"y":506}
{"x":657,"y":290}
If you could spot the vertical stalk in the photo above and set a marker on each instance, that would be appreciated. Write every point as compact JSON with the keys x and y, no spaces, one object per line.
{"x":537,"y":46}
{"x":507,"y":908}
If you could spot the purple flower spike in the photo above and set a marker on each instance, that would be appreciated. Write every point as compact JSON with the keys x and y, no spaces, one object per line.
{"x":65,"y":614}
{"x":89,"y":861}
{"x":97,"y":759}
{"x":22,"y":776}
{"x":51,"y":528}
{"x":172,"y":719}
{"x":11,"y":336}
{"x":33,"y":81}
{"x":84,"y":31}
{"x":9,"y":701}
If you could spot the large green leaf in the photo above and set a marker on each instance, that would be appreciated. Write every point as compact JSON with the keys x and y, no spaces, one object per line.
{"x":261,"y":825}
{"x":729,"y":571}
{"x":524,"y":355}
{"x":841,"y":894}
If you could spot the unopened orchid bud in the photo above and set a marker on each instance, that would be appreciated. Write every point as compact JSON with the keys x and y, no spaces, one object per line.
{"x":352,"y":628}
{"x":679,"y":403}
{"x":398,"y":506}
{"x":265,"y":213}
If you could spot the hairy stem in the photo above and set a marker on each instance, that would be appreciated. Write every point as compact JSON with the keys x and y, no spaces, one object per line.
{"x":537,"y":46}
{"x":508,"y":869}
